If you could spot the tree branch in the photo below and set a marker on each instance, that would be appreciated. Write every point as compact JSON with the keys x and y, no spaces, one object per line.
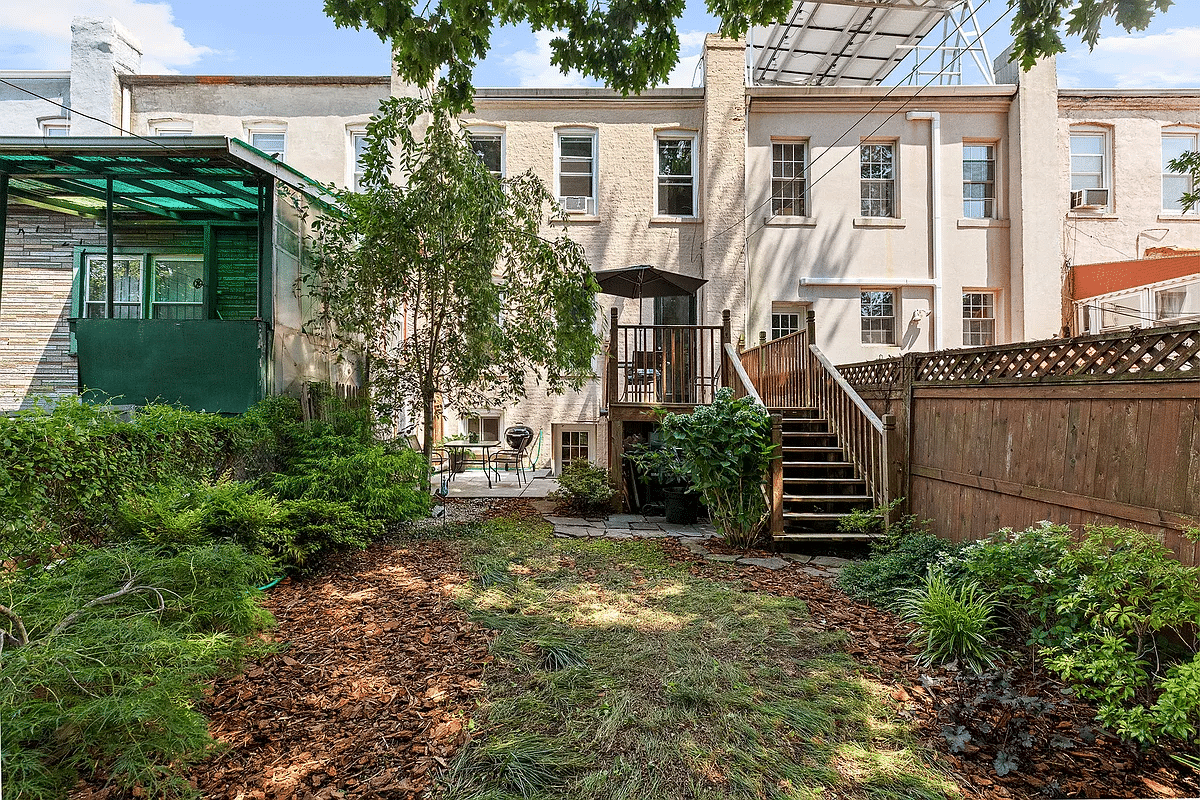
{"x":20,"y":636}
{"x":128,"y":589}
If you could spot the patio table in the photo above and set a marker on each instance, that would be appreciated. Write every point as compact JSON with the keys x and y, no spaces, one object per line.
{"x":458,"y":450}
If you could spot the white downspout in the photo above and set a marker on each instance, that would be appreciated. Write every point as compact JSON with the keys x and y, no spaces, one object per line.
{"x":935,"y":180}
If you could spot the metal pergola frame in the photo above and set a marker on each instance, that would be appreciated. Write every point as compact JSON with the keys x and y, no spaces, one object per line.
{"x":179,"y":178}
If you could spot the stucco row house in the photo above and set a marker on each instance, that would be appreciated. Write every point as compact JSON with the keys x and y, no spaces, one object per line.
{"x":905,"y":217}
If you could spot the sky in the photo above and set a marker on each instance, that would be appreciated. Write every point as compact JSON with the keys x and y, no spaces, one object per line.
{"x":258,"y":38}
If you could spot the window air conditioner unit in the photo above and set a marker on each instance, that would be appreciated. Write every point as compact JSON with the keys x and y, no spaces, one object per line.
{"x":579,"y":205}
{"x":1089,"y":198}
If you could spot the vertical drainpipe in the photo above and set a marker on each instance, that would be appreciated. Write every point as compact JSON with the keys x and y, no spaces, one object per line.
{"x":3,"y":225}
{"x":108,"y":224}
{"x":935,"y":192}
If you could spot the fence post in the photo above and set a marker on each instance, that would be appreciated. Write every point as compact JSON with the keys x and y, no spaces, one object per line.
{"x":810,"y":327}
{"x":810,"y":339}
{"x":726,"y":338}
{"x":776,"y":475}
{"x":908,"y":371}
{"x":893,"y":462}
{"x":611,"y":358}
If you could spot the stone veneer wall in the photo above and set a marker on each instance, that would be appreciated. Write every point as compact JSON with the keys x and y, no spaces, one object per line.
{"x":35,"y":299}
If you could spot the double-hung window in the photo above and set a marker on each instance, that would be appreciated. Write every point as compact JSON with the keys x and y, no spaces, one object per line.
{"x":877,"y":185}
{"x":675,"y":155}
{"x":577,"y":171}
{"x":979,"y":181}
{"x":1174,"y":184}
{"x":271,"y":139}
{"x":1091,"y":168}
{"x":127,"y":286}
{"x":877,"y":312}
{"x":489,"y":146}
{"x":979,"y":319}
{"x":358,"y":148}
{"x":789,"y":179}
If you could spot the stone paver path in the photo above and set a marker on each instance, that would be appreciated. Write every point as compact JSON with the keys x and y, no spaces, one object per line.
{"x":692,"y":537}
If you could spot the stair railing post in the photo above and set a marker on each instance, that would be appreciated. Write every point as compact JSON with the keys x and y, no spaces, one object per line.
{"x":726,"y":338}
{"x":810,"y":339}
{"x":893,"y":463}
{"x":776,"y":475}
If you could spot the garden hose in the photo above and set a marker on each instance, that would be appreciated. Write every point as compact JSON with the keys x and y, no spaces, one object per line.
{"x":272,"y":583}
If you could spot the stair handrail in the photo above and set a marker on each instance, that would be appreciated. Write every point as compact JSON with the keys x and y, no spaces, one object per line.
{"x":747,"y":386}
{"x":864,"y":436}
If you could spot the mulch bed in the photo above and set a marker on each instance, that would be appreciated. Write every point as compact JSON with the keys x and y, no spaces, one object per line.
{"x":370,"y":696}
{"x":1052,"y":744}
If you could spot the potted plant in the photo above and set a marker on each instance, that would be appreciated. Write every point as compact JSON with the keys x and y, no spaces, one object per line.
{"x":666,"y":467}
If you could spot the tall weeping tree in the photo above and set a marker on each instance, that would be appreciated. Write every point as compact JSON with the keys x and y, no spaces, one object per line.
{"x":451,"y":281}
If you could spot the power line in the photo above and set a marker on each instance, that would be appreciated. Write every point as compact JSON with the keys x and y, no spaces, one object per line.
{"x":851,"y":129}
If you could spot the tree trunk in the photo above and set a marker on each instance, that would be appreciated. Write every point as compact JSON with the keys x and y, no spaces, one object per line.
{"x":427,"y":395}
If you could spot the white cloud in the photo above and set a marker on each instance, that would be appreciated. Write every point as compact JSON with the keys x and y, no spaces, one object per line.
{"x":41,"y":32}
{"x":691,"y":47}
{"x":533,"y":68}
{"x":1167,"y":59}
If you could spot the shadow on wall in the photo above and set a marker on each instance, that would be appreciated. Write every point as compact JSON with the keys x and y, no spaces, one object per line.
{"x":39,"y":365}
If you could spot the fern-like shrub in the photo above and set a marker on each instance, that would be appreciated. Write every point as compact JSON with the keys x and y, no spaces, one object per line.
{"x":377,"y":482}
{"x":954,"y":622}
{"x":113,"y":649}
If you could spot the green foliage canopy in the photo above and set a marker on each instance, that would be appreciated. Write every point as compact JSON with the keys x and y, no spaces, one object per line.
{"x":632,"y":45}
{"x":448,"y":278}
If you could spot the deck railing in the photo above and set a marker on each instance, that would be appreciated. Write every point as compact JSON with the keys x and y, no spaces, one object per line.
{"x":663,"y":364}
{"x":777,"y":370}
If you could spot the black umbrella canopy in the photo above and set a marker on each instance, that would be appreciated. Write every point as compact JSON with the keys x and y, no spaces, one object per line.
{"x":644,"y":280}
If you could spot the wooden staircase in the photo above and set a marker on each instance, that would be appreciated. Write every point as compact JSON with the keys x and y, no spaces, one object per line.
{"x":820,"y":486}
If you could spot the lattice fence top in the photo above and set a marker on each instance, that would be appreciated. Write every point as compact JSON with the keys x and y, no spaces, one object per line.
{"x":1155,"y":353}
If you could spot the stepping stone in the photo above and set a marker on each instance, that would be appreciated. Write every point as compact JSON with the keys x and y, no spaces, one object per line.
{"x":816,"y":573}
{"x":645,"y":526}
{"x":679,"y":530}
{"x":623,"y":520}
{"x":577,"y":531}
{"x":616,"y":524}
{"x":829,"y":561}
{"x":688,"y":541}
{"x":796,"y":558}
{"x":769,"y":563}
{"x":574,"y":522}
{"x":617,"y":535}
{"x":649,"y":534}
{"x":719,"y":557}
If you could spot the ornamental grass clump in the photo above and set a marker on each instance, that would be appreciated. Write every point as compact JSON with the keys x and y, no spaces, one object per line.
{"x":725,"y":449}
{"x":955,"y":622}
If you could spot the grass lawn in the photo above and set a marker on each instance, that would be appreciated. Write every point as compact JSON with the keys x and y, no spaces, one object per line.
{"x":618,"y":674}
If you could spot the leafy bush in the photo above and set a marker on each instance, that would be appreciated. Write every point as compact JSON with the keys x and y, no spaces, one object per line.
{"x":292,"y":531}
{"x":955,"y":622}
{"x":62,"y":470}
{"x":725,"y":450}
{"x":121,"y":642}
{"x":898,"y":560}
{"x":1114,"y":614}
{"x":584,"y":488}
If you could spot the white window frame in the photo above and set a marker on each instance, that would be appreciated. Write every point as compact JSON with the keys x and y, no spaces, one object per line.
{"x":473,"y":423}
{"x":171,"y":127}
{"x":269,"y":128}
{"x":787,"y":308}
{"x":778,"y":199}
{"x":99,"y":261}
{"x":1106,"y":176}
{"x":578,"y":133}
{"x":55,"y":126}
{"x":1139,"y":307}
{"x":674,"y":135}
{"x":891,"y":332}
{"x":985,"y":338}
{"x":994,"y":183}
{"x":354,"y":133}
{"x":491,"y":132}
{"x":1192,"y":135}
{"x":894,"y":147}
{"x":557,"y":432}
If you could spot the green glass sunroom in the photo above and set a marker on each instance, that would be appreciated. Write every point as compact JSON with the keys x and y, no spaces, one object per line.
{"x":183,"y":260}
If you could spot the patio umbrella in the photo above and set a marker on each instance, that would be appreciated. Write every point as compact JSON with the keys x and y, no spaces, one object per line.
{"x":644,"y":280}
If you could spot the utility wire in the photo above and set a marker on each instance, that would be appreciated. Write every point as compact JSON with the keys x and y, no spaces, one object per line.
{"x":851,"y":129}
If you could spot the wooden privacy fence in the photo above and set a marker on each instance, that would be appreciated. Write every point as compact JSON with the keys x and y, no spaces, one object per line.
{"x":1101,"y":429}
{"x":318,"y":400}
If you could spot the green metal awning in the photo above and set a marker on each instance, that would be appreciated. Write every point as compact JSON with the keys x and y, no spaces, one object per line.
{"x":178,"y":177}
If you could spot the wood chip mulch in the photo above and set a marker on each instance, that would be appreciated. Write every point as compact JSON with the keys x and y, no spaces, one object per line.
{"x":1052,"y":743}
{"x":370,"y":696}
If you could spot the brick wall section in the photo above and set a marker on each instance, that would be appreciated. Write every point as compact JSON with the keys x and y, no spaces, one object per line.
{"x":35,"y":304}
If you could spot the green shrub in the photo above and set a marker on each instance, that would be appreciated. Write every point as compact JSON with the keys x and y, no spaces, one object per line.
{"x":725,"y":449}
{"x":377,"y":483}
{"x":292,"y":532}
{"x":898,"y":560}
{"x":1114,"y":614}
{"x":955,"y":622}
{"x":584,"y":488}
{"x":111,"y":685}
